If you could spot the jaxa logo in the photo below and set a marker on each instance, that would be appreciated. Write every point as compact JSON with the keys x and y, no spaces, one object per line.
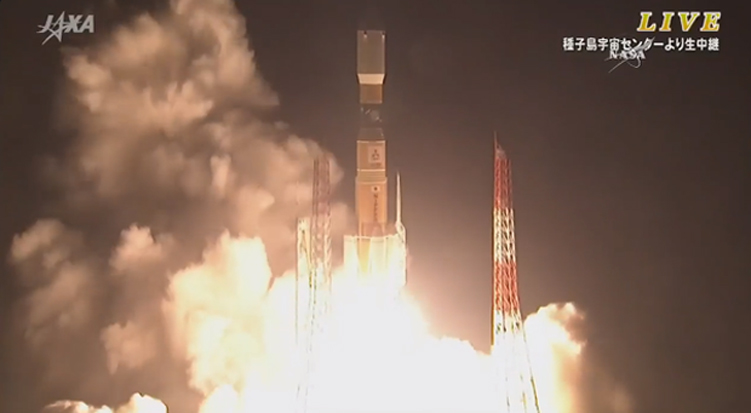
{"x":687,"y":19}
{"x":64,"y":24}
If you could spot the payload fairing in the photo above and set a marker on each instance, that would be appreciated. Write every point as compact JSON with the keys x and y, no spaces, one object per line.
{"x":378,"y":251}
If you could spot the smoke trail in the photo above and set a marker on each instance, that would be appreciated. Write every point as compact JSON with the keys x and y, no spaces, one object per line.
{"x":178,"y":226}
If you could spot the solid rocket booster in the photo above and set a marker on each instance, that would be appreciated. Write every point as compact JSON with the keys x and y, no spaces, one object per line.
{"x":371,"y":181}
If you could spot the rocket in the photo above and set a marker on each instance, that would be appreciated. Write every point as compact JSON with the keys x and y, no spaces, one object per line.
{"x":378,"y":249}
{"x":371,"y":192}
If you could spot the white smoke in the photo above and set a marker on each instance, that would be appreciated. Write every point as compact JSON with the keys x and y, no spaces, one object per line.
{"x":173,"y":154}
{"x":138,"y":403}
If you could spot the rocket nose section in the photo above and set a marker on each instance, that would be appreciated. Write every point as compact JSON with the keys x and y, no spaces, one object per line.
{"x":370,"y":19}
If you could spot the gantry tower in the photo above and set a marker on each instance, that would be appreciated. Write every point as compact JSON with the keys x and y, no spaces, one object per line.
{"x":509,"y":347}
{"x":314,"y":261}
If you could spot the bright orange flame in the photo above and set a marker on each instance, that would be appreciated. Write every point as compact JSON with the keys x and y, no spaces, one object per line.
{"x":376,"y":354}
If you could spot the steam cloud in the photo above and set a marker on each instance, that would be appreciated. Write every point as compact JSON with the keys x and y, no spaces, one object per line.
{"x":173,"y":154}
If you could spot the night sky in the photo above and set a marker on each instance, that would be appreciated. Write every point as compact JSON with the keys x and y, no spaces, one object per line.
{"x":630,"y":187}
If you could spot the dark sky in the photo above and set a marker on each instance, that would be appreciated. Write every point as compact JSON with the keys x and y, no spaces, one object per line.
{"x":630,"y":187}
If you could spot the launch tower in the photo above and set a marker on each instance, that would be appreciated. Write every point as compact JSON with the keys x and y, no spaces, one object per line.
{"x":313,"y":262}
{"x":378,"y":250}
{"x":509,"y":347}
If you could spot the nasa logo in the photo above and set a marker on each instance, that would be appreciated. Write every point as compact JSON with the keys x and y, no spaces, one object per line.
{"x":376,"y":189}
{"x":687,"y":18}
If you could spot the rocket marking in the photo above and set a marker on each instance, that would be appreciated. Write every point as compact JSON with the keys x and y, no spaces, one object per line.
{"x":375,"y":157}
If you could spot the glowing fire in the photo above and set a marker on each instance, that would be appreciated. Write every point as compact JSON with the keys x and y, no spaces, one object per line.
{"x":376,"y":354}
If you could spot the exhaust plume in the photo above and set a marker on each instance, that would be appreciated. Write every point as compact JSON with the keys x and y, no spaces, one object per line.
{"x":168,"y":269}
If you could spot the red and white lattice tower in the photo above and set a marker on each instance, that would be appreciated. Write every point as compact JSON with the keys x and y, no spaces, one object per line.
{"x":319,"y":275}
{"x":509,"y":347}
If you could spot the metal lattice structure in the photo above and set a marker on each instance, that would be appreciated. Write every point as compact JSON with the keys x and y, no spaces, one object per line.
{"x":316,"y":261}
{"x":519,"y":393}
{"x":302,"y":271}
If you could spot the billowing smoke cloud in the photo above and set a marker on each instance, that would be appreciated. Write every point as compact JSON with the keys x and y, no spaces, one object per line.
{"x":167,"y":270}
{"x":172,"y":151}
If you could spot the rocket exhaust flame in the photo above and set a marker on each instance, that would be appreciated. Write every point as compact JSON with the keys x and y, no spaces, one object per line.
{"x":195,"y":304}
